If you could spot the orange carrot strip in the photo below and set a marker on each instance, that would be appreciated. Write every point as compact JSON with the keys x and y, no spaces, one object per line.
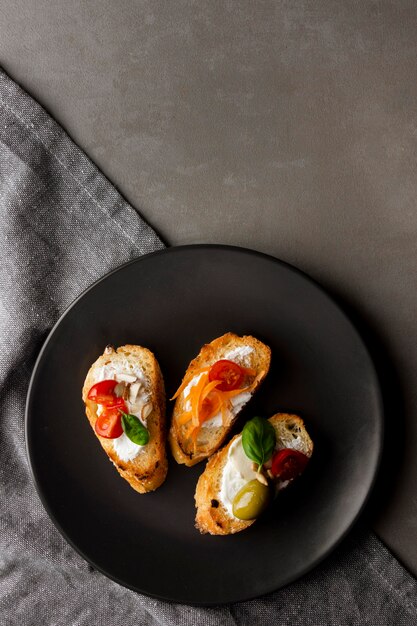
{"x":194,"y":389}
{"x":223,"y":406}
{"x":208,"y":388}
{"x":180,"y":389}
{"x":184,"y":418}
{"x":195,"y":395}
{"x":236,"y":392}
{"x":214,"y":409}
{"x":186,"y":381}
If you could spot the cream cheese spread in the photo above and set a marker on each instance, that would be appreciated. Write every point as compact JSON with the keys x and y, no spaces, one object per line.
{"x":237,"y":472}
{"x":239,"y":355}
{"x":126,"y":449}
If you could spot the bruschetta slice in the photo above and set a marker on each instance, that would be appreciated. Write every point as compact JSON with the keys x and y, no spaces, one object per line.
{"x":216,"y":386}
{"x":124,"y":400}
{"x":234,"y":490}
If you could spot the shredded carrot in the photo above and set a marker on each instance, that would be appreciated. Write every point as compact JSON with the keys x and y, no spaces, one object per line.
{"x":185,"y":383}
{"x":209,"y":388}
{"x":208,"y":409}
{"x":184,"y":417}
{"x":180,"y":389}
{"x":194,"y":398}
{"x":223,"y":406}
{"x":206,"y":401}
{"x":251,"y":387}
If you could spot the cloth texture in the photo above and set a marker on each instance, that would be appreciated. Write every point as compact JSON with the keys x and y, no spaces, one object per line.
{"x":63,"y":226}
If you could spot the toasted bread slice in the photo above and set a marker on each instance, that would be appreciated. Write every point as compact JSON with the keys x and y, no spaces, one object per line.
{"x":245,"y":351}
{"x":212,"y":515}
{"x":142,"y":387}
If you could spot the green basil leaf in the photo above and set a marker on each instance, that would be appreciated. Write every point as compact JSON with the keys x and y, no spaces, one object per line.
{"x":258,"y":440}
{"x":134,"y":429}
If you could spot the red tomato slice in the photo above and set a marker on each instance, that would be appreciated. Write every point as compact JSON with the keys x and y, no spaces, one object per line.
{"x":103,"y":392}
{"x":109,"y":422}
{"x":229,"y":373}
{"x":288,"y":463}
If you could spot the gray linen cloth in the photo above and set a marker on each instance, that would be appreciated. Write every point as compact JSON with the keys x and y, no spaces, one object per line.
{"x":63,"y":225}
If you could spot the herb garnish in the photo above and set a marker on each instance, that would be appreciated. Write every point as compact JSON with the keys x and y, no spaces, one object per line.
{"x":258,"y":440}
{"x":134,"y":429}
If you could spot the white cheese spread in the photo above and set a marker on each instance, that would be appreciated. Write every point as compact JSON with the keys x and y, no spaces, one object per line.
{"x":126,"y":449}
{"x":239,"y":355}
{"x":237,"y":472}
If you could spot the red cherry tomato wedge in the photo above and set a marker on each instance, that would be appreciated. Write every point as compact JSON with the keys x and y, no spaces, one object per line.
{"x":288,"y":463}
{"x":103,"y":392}
{"x":229,"y":373}
{"x":109,"y":422}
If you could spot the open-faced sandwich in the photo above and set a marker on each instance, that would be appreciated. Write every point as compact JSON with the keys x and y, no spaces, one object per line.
{"x":241,"y":479}
{"x":124,"y":400}
{"x":216,"y":386}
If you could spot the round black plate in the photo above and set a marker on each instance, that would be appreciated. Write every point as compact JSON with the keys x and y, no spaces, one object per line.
{"x":173,"y":302}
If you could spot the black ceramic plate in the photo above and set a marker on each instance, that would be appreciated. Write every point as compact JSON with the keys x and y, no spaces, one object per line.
{"x":173,"y":302}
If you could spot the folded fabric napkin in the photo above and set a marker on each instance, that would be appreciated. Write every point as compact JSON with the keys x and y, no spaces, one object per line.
{"x":63,"y":225}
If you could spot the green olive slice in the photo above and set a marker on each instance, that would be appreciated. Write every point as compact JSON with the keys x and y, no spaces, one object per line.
{"x":251,"y":500}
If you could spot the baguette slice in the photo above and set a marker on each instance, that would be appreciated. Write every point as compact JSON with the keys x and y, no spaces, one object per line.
{"x":212,"y":516}
{"x":147,"y":470}
{"x":211,"y":437}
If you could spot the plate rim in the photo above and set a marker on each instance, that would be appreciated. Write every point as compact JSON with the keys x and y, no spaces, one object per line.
{"x":380,"y":422}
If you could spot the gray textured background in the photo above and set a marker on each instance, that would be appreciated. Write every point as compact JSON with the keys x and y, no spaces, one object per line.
{"x":289,"y":127}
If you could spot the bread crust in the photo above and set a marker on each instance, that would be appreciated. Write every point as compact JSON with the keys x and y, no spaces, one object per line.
{"x":215,"y":520}
{"x":182,"y":449}
{"x":147,"y":471}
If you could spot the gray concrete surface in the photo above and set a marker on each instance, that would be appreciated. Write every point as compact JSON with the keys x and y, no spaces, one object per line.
{"x":289,"y":127}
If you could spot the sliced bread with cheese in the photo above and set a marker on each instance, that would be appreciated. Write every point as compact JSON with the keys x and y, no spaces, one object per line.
{"x":229,"y":470}
{"x":138,"y":395}
{"x":217,"y":384}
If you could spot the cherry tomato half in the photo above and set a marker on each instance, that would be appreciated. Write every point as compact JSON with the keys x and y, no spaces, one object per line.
{"x":229,"y":373}
{"x":288,"y":463}
{"x":103,"y":392}
{"x":109,"y":422}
